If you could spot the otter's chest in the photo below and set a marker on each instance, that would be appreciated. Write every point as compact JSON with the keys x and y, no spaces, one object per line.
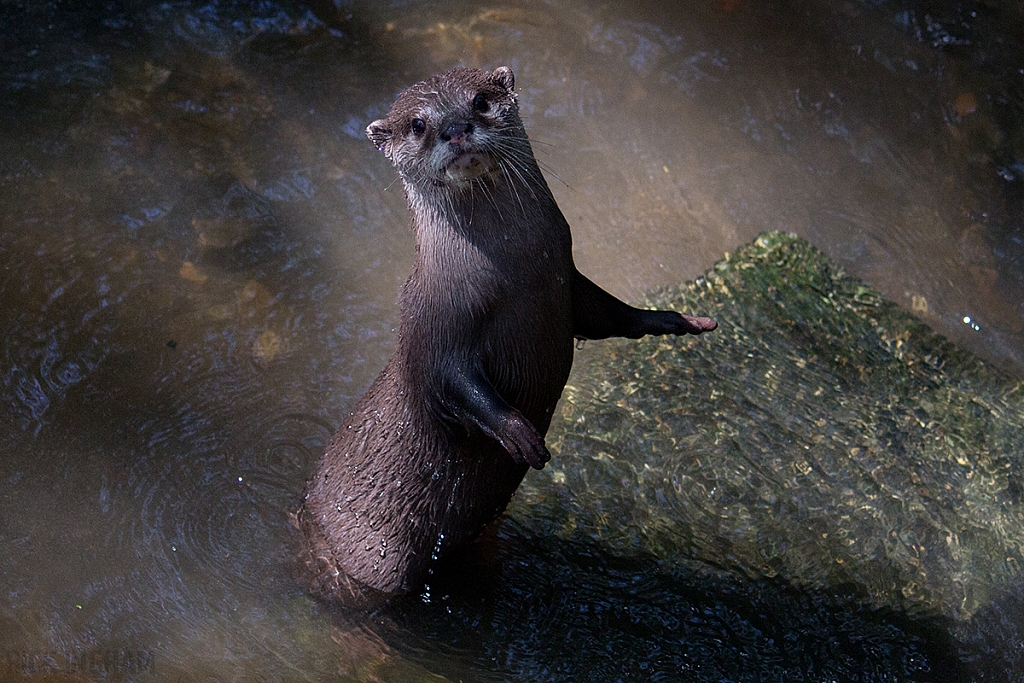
{"x":523,"y":335}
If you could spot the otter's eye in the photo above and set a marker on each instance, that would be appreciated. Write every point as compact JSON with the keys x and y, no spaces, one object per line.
{"x":418,"y":126}
{"x":480,"y":103}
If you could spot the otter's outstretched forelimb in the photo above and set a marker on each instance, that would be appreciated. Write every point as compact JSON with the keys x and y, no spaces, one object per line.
{"x":596,"y":314}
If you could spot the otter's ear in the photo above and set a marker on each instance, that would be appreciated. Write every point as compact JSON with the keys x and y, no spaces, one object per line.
{"x":504,"y":77}
{"x":379,"y":133}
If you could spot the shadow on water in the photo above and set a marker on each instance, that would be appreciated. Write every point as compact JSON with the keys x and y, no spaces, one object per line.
{"x":542,"y":608}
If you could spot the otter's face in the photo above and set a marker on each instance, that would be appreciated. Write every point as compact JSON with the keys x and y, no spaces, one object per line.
{"x":452,"y":129}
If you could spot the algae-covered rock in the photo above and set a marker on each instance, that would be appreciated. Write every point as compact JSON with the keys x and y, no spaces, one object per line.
{"x":820,"y":435}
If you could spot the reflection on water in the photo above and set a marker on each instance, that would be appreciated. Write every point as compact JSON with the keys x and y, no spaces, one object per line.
{"x":200,"y":254}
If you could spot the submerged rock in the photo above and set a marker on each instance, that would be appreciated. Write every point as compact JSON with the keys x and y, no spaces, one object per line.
{"x":821,"y":435}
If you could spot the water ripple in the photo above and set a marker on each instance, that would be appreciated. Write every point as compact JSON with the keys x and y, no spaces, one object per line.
{"x":219,"y":516}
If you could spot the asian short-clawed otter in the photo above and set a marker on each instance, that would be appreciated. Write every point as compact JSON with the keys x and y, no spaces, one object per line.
{"x":438,"y":444}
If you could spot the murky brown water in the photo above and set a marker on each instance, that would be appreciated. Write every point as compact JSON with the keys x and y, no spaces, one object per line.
{"x":200,"y":254}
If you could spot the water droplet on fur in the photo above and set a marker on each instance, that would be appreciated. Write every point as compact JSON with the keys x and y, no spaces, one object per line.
{"x":437,"y":547}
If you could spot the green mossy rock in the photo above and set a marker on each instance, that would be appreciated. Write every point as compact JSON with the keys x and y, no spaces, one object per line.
{"x":821,"y":435}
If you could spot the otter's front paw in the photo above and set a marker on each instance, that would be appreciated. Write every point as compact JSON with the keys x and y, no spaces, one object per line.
{"x":692,"y":325}
{"x":523,"y":442}
{"x":669,"y":322}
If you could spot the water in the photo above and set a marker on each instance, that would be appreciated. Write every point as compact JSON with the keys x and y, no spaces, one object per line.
{"x":201,"y":252}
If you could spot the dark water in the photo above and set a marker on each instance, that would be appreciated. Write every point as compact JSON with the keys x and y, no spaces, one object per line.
{"x":200,"y":254}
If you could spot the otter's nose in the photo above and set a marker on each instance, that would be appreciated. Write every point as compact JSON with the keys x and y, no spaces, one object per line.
{"x":457,"y":132}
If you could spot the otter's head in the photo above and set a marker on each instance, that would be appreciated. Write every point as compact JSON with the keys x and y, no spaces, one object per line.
{"x":454,"y":128}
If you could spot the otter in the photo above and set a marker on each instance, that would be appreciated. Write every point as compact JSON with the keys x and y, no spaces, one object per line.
{"x":435,"y":449}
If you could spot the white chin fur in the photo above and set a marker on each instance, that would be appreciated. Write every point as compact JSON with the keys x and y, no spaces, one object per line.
{"x":468,"y":166}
